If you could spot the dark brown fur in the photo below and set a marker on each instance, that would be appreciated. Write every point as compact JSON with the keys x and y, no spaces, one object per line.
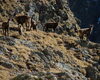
{"x":21,"y":20}
{"x":5,"y":27}
{"x":50,"y":25}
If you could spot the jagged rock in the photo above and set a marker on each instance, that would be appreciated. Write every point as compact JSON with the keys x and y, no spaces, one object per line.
{"x":59,"y":30}
{"x":7,"y":65}
{"x":36,"y":16}
{"x":92,"y":72}
{"x":9,"y":40}
{"x":2,"y":50}
{"x":66,"y":75}
{"x":24,"y":77}
{"x":15,"y":57}
{"x":70,"y":72}
{"x":63,"y":15}
{"x":40,"y":27}
{"x":51,"y":76}
{"x":29,"y":44}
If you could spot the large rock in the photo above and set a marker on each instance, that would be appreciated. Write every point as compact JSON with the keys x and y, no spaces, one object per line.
{"x":93,"y":73}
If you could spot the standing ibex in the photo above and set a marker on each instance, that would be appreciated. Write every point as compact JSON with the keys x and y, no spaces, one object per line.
{"x":50,"y":25}
{"x":21,"y":20}
{"x":85,"y":32}
{"x":5,"y":28}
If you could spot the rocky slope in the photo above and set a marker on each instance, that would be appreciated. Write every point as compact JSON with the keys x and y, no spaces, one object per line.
{"x":48,"y":56}
{"x":39,"y":55}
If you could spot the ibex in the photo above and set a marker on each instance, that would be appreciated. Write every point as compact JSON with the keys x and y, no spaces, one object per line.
{"x":21,"y":20}
{"x":50,"y":25}
{"x":85,"y":32}
{"x":5,"y":28}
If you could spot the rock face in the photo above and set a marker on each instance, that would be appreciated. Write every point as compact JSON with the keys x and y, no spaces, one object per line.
{"x":40,"y":55}
{"x":43,"y":10}
{"x":88,"y":11}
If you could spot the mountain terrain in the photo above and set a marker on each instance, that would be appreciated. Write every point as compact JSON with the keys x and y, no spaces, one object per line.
{"x":52,"y":55}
